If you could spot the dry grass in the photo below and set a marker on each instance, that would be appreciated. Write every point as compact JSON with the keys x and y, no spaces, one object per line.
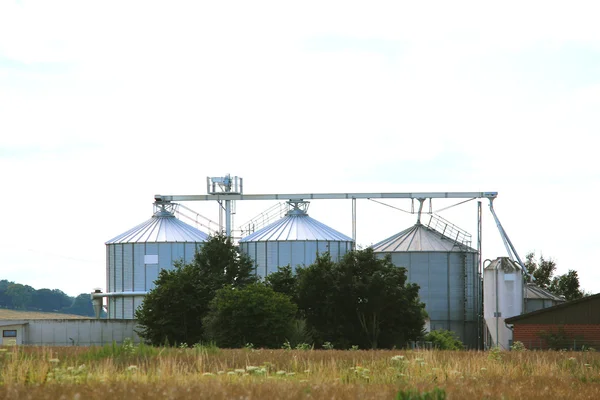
{"x":152,"y":373}
{"x":16,"y":314}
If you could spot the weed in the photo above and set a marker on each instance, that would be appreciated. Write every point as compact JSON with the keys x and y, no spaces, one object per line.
{"x":495,"y":354}
{"x":435,"y":394}
{"x":518,"y":346}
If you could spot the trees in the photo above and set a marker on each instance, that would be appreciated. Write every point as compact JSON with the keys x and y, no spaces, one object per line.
{"x":21,"y":295}
{"x":81,"y":305}
{"x":252,"y":314}
{"x":55,"y":300}
{"x":173,"y":311}
{"x":360,"y":300}
{"x":541,"y":271}
{"x":283,"y":281}
{"x":566,"y":285}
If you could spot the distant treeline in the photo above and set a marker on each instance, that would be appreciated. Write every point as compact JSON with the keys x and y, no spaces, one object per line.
{"x":16,"y":296}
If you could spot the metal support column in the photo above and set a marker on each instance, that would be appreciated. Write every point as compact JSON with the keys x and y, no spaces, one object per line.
{"x":228,"y":218}
{"x":478,"y":286}
{"x":354,"y":223}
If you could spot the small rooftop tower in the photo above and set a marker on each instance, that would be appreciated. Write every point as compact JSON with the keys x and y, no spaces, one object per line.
{"x":225,"y":185}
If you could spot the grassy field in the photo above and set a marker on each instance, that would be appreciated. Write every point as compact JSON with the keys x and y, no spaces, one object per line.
{"x":206,"y":372}
{"x":16,"y":314}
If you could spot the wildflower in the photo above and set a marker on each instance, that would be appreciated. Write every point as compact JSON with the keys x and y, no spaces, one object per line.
{"x":251,"y":368}
{"x":132,"y":368}
{"x":572,"y":358}
{"x":398,"y":358}
{"x":484,"y":369}
{"x":208,"y":374}
{"x":307,"y":371}
{"x":221,"y":372}
{"x":290,"y":374}
{"x":230,"y":373}
{"x":54,"y":360}
{"x":240,"y":371}
{"x":281,"y":372}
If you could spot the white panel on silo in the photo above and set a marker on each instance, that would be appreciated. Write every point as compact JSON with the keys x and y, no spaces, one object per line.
{"x":127,"y":267}
{"x":139,"y":268}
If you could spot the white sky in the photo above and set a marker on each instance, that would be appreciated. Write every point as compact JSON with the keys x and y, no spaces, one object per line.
{"x":104,"y":105}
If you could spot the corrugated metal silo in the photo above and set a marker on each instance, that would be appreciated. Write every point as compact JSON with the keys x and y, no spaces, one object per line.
{"x":134,"y":258}
{"x":293,"y":240}
{"x":446,"y":269}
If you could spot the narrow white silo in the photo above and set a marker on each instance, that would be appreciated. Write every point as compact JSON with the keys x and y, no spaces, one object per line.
{"x":502,"y":298}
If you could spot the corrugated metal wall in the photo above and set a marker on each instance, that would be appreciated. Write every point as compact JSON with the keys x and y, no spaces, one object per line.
{"x":268,"y":255}
{"x":83,"y":332}
{"x":127,"y":270}
{"x":450,"y":288}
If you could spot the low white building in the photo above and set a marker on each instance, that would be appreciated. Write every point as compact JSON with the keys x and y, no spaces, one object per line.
{"x":67,"y":332}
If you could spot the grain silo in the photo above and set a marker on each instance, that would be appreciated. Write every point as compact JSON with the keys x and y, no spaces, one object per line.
{"x":445,"y":267}
{"x":293,"y":240}
{"x":134,"y":258}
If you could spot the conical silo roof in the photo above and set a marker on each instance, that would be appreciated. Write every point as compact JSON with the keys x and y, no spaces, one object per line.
{"x":162,"y":227}
{"x":296,"y":225}
{"x":420,"y":238}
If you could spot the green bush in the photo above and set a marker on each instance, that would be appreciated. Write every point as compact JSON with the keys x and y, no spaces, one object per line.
{"x":435,"y":394}
{"x":252,"y":314}
{"x":444,"y":340}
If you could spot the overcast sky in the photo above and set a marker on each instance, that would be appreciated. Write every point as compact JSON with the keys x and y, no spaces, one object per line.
{"x":105,"y":104}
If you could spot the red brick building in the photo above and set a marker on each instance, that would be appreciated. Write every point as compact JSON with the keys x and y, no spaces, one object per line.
{"x":571,"y":325}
